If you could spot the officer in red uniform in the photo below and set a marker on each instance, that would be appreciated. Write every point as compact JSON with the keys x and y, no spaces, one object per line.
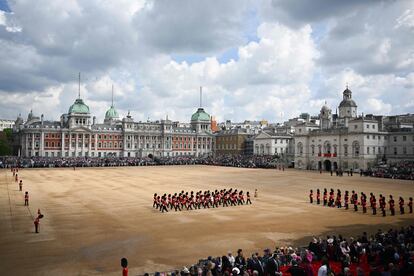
{"x":325,"y":197}
{"x":20,"y":185}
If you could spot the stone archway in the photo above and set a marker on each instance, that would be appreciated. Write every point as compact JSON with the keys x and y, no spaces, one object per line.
{"x":328,"y":165}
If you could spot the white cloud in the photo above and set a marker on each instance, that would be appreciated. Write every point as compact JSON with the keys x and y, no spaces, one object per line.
{"x":300,"y":56}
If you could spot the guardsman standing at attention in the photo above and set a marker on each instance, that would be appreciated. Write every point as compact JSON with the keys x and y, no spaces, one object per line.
{"x":311,"y":196}
{"x":16,"y":178}
{"x":401,"y":203}
{"x":374,"y":205}
{"x":20,"y":185}
{"x":325,"y":197}
{"x":26,"y":198}
{"x":410,"y":205}
{"x":318,"y":196}
{"x":392,"y":206}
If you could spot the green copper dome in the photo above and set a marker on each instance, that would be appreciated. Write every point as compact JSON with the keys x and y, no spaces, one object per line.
{"x":79,"y":107}
{"x":200,"y":115}
{"x":111,"y":113}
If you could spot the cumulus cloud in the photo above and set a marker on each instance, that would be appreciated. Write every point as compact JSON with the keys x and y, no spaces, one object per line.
{"x":289,"y":56}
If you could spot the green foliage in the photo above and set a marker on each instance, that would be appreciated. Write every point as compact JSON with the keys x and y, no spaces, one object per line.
{"x":5,"y":142}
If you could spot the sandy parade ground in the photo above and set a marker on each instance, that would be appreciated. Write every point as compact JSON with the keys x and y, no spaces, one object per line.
{"x":95,"y":216}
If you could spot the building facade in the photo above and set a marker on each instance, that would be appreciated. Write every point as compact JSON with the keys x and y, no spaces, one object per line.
{"x":4,"y":124}
{"x":232,"y":141}
{"x":348,"y":141}
{"x":77,"y":134}
{"x":274,"y":144}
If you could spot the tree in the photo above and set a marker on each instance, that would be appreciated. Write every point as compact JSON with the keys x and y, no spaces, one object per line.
{"x":5,"y":142}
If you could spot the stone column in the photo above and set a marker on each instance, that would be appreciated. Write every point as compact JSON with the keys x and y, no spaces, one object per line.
{"x":76,"y":145}
{"x":83,"y":145}
{"x":62,"y":154}
{"x":90,"y":144}
{"x":42,"y":146}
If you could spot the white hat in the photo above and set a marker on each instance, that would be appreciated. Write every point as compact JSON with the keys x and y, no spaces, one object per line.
{"x":330,"y":240}
{"x":185,"y":270}
{"x":236,"y":270}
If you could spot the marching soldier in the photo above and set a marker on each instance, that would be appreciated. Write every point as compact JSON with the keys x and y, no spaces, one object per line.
{"x":248,"y":201}
{"x":338,"y":199}
{"x":20,"y":185}
{"x":346,"y":202}
{"x":364,"y":203}
{"x":355,"y":201}
{"x":382,"y":205}
{"x":26,"y":198}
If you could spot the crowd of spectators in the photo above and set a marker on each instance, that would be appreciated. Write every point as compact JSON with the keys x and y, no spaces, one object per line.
{"x":222,"y":160}
{"x":400,"y":170}
{"x":381,"y":254}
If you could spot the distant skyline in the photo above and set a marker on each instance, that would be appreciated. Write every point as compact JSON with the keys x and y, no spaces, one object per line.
{"x":255,"y":59}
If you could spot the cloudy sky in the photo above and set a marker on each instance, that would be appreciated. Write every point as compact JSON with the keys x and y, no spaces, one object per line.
{"x":270,"y":59}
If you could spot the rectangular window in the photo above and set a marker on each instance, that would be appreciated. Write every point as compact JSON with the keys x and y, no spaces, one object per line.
{"x":395,"y":138}
{"x":404,"y":138}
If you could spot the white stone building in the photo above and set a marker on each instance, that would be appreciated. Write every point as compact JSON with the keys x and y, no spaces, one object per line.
{"x":6,"y":124}
{"x":347,"y":141}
